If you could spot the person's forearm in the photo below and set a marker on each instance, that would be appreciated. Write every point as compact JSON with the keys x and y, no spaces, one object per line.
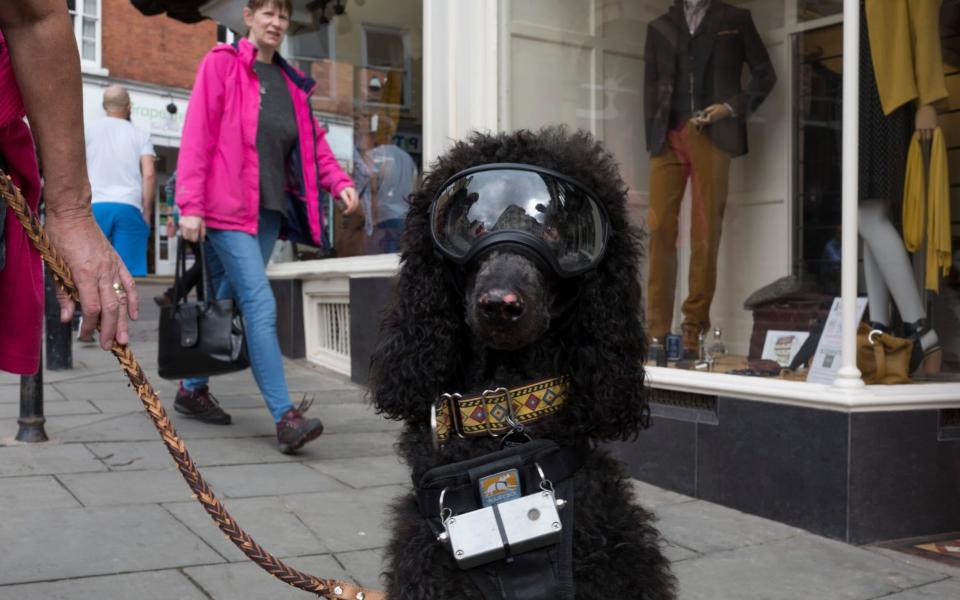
{"x":41,"y":41}
{"x":149,"y":194}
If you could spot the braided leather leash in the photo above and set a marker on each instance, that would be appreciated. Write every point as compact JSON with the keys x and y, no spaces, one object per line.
{"x":325,"y":588}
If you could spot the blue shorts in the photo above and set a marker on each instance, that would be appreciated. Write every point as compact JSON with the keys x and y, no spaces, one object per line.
{"x":128,"y":233}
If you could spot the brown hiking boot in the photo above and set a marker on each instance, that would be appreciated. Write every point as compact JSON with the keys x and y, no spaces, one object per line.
{"x":201,"y":405}
{"x":294,"y":430}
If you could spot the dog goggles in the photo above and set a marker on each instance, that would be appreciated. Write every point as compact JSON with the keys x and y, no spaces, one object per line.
{"x":534,"y":209}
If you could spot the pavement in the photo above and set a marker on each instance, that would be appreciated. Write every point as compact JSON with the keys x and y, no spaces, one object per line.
{"x":100,"y":512}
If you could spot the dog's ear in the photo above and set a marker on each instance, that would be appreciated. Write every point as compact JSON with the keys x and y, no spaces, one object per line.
{"x":422,"y":334}
{"x":607,"y":348}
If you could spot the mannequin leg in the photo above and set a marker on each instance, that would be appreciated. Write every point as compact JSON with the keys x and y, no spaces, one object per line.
{"x":878,"y":296}
{"x":710,"y":175}
{"x":890,"y":257}
{"x":668,"y":177}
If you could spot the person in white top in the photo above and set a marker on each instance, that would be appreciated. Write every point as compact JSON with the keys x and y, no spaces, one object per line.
{"x":120,"y":161}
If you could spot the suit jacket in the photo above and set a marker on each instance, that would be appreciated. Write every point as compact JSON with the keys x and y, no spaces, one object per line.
{"x":726,"y":40}
{"x":905,"y":47}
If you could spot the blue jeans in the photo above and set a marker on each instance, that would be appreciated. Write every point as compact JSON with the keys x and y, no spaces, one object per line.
{"x":236,"y":263}
{"x":128,"y":233}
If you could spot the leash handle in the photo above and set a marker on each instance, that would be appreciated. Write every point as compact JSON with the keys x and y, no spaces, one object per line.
{"x":331,"y":589}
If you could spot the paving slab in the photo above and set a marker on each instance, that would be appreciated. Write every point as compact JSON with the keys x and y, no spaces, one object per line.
{"x":945,"y":589}
{"x":801,"y":567}
{"x":150,"y":585}
{"x":348,"y":445}
{"x":34,"y":493}
{"x":138,"y":427}
{"x":675,"y":553}
{"x":77,"y":542}
{"x":364,"y":566}
{"x":52,"y":409}
{"x":365,"y":471}
{"x":55,"y":426}
{"x":127,"y":487}
{"x":242,"y":581}
{"x":47,"y":458}
{"x":704,"y":527}
{"x":273,"y":524}
{"x":651,"y":497}
{"x":345,"y":521}
{"x":245,"y":481}
{"x":207,"y":452}
{"x":10,"y":393}
{"x":112,"y":396}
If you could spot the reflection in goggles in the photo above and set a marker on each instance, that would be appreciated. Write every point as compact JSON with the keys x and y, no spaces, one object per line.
{"x":561,"y":215}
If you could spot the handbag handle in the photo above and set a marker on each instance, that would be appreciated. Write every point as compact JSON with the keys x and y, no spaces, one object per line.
{"x":181,"y":267}
{"x":879,"y":354}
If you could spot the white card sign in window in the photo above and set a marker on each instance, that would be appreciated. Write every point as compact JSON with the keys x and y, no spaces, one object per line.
{"x":826,"y":360}
{"x":782,"y":346}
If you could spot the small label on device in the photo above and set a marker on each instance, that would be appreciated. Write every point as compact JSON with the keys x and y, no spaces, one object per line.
{"x":500,"y":487}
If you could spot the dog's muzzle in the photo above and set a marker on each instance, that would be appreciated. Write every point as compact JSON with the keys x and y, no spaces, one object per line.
{"x":544,"y":214}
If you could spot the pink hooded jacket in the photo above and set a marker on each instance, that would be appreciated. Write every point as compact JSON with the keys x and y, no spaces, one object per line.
{"x":218,"y":171}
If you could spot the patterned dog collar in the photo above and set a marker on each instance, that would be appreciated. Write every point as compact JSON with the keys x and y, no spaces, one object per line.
{"x":496,"y":411}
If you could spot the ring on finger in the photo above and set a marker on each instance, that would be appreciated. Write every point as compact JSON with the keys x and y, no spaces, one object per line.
{"x":119,"y":290}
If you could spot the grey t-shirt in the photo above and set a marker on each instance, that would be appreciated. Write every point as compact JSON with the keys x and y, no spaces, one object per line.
{"x":276,"y":134}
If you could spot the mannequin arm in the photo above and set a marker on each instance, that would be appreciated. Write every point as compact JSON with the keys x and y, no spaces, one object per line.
{"x":927,"y":56}
{"x":762,"y":75}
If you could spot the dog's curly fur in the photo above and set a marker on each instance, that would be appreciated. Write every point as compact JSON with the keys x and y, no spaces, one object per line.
{"x":427,"y":348}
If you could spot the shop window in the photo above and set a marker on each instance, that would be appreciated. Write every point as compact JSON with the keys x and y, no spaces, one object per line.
{"x":385,"y":49}
{"x":811,"y":10}
{"x":365,"y":76}
{"x":312,"y":44}
{"x":818,"y":87}
{"x":85,"y":16}
{"x":754,"y":196}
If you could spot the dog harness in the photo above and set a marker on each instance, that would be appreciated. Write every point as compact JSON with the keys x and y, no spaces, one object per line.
{"x":507,"y":518}
{"x":497,"y":411}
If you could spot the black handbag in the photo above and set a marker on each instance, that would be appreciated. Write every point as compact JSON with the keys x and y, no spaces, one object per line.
{"x":203,"y":337}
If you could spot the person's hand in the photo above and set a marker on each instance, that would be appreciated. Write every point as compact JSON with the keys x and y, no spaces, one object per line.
{"x":712,"y":114}
{"x":926,"y":121}
{"x":350,"y":200}
{"x":193,"y":229}
{"x":171,"y":228}
{"x":108,"y":294}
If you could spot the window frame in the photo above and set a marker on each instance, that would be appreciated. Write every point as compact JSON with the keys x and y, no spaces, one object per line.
{"x":404,"y":34}
{"x":78,"y":15}
{"x":294,"y":59}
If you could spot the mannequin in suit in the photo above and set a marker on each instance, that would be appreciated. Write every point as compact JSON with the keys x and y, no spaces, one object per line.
{"x":695,"y":110}
{"x":901,"y":77}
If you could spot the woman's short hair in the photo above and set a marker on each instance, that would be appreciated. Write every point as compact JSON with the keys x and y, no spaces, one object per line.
{"x":285,"y":5}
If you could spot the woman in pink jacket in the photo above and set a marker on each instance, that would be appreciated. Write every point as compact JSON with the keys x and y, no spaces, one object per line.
{"x":253,"y":160}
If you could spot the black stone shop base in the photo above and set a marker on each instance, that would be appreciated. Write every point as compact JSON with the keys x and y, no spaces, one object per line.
{"x":858,"y":477}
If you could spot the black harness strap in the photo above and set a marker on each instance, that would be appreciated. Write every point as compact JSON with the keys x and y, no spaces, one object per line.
{"x":543,"y":574}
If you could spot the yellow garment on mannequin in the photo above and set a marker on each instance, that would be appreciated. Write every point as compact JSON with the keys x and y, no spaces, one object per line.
{"x":927,"y":209}
{"x":905,"y":47}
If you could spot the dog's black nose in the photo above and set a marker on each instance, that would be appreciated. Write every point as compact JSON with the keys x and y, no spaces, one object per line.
{"x":501,"y":305}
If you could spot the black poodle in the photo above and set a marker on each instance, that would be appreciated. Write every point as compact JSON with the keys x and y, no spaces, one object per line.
{"x":503,"y":320}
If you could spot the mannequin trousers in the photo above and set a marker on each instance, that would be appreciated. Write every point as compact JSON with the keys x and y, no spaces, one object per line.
{"x":689,"y":155}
